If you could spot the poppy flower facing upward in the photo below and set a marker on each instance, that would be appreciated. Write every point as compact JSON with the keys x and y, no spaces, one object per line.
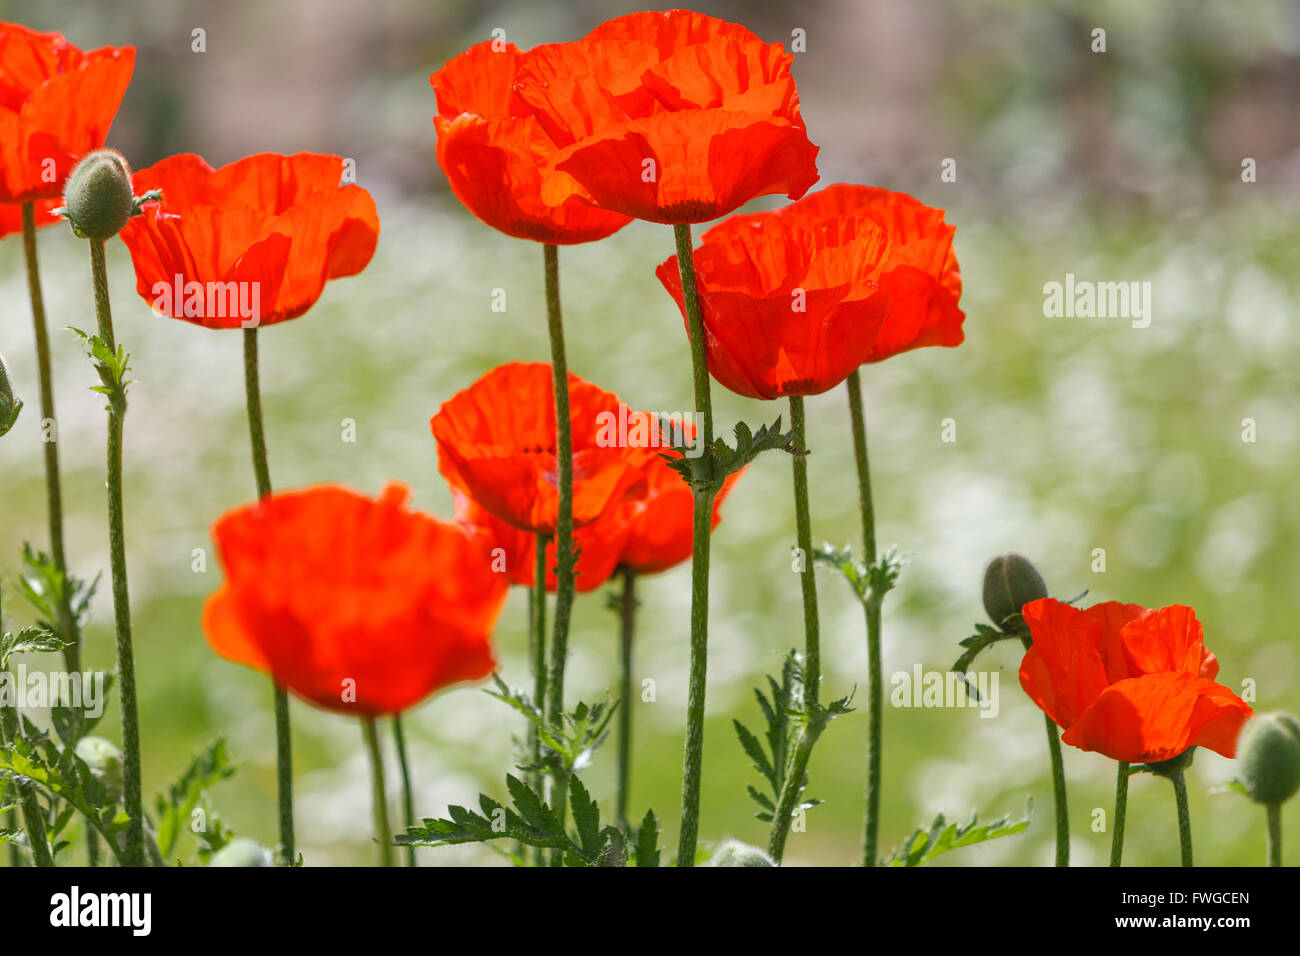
{"x":795,"y":299}
{"x":790,"y":302}
{"x":251,"y":243}
{"x":1136,"y":685}
{"x":56,"y":104}
{"x":673,"y":117}
{"x":355,"y":604}
{"x":496,"y":444}
{"x":493,"y":152}
{"x":921,"y":281}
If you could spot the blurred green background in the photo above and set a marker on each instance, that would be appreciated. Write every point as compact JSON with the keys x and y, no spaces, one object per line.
{"x":1072,"y":434}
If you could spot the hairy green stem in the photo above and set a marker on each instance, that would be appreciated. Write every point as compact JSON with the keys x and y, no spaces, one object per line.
{"x":1121,"y":810}
{"x":702,"y":526}
{"x":69,"y":632}
{"x":1274,"y":811}
{"x":262,"y":476}
{"x":378,"y":791}
{"x":871,"y":610}
{"x":69,"y":628}
{"x":408,"y":804}
{"x":808,"y":577}
{"x":794,"y":781}
{"x":1058,"y":782}
{"x":1184,"y":817}
{"x":131,"y":784}
{"x":627,"y":621}
{"x":564,"y":471}
{"x":537,"y":655}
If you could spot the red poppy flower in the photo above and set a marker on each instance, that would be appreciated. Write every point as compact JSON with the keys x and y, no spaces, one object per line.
{"x":796,"y":299}
{"x":648,"y":534}
{"x":1136,"y":685}
{"x":493,"y":152}
{"x":355,"y":604}
{"x":791,"y":303}
{"x":496,"y":444}
{"x":251,"y":243}
{"x":56,"y":105}
{"x":921,"y":280}
{"x":673,"y":117}
{"x":599,"y":546}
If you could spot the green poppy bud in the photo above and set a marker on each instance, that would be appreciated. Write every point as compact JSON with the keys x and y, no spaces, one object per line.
{"x":241,"y":851}
{"x":97,"y":199}
{"x":735,"y":853}
{"x":1010,"y":582}
{"x":104,"y":760}
{"x":1268,"y":756}
{"x":10,"y":404}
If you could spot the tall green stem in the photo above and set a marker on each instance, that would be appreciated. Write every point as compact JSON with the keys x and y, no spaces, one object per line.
{"x":69,"y":632}
{"x":1274,"y":811}
{"x":537,"y":645}
{"x":1121,"y":810}
{"x":1184,"y":817}
{"x":1058,"y":783}
{"x":378,"y":791}
{"x":262,"y":475}
{"x":871,"y":610}
{"x":408,"y":803}
{"x":783,"y":816}
{"x":794,"y":780}
{"x":131,"y":787}
{"x":627,"y":620}
{"x":564,"y":472}
{"x":702,"y":526}
{"x":808,"y":577}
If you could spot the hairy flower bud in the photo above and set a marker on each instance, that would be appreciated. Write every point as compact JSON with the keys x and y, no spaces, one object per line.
{"x":1010,"y":582}
{"x":241,"y":851}
{"x":1268,"y":756}
{"x":104,"y":760}
{"x":98,"y":200}
{"x":735,"y":853}
{"x":10,"y":404}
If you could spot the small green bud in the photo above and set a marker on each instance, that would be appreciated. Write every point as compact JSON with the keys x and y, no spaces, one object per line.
{"x":241,"y":851}
{"x":104,"y":760}
{"x":1268,"y":756}
{"x":1174,"y":765}
{"x":1010,"y":582}
{"x":97,"y":198}
{"x":10,"y":404}
{"x":735,"y":853}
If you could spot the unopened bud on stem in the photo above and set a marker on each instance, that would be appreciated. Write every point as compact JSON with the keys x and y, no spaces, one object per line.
{"x":97,"y":199}
{"x":1010,"y":582}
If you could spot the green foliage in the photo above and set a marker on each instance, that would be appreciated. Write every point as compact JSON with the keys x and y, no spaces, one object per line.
{"x":869,"y":582}
{"x":941,"y":837}
{"x":31,"y":756}
{"x":529,"y":820}
{"x":112,"y":366}
{"x":30,"y":639}
{"x":175,"y":807}
{"x":45,"y":588}
{"x":710,"y":469}
{"x":569,"y":748}
{"x":787,"y":716}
